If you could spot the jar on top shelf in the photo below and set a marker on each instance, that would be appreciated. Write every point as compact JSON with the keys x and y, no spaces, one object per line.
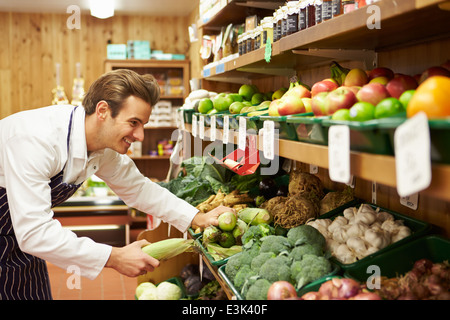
{"x":292,"y":17}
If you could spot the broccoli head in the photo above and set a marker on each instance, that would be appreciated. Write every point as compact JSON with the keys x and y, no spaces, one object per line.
{"x":242,"y":276}
{"x":258,"y":290}
{"x":275,"y":244}
{"x":255,"y":233}
{"x":310,"y":268}
{"x":276,"y":269}
{"x":305,"y":234}
{"x":234,"y":263}
{"x":298,"y":252}
{"x":259,"y":260}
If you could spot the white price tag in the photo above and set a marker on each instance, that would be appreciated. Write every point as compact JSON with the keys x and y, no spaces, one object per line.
{"x":213,"y":128}
{"x":269,"y":139}
{"x":411,"y":201}
{"x":242,"y":133}
{"x":194,"y":125}
{"x":412,"y":155}
{"x":226,"y":129}
{"x":339,"y":153}
{"x":201,"y":127}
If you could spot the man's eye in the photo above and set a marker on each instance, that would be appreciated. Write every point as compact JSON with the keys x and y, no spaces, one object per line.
{"x":133,"y":123}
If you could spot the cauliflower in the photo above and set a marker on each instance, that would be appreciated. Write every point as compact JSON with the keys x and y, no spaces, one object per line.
{"x":275,"y":244}
{"x":255,"y":233}
{"x":305,"y":234}
{"x":258,"y":290}
{"x":310,"y":268}
{"x":275,"y":269}
{"x":298,"y":252}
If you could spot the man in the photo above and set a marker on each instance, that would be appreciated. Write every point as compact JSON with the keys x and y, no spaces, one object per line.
{"x":47,"y":153}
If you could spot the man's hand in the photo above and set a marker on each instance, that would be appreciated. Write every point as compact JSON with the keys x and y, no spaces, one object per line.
{"x":131,"y":260}
{"x":204,"y":220}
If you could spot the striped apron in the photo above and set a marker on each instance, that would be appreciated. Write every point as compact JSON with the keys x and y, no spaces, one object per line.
{"x":23,"y":276}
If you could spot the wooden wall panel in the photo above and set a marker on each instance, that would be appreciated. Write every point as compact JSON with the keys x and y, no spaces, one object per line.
{"x":32,"y":43}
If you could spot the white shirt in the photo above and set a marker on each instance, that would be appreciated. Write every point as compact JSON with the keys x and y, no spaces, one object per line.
{"x":33,"y":149}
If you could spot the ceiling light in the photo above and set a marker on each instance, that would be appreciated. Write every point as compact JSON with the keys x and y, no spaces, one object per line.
{"x":102,"y":9}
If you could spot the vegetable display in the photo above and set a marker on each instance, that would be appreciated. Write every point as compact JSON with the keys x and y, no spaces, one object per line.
{"x":360,"y":232}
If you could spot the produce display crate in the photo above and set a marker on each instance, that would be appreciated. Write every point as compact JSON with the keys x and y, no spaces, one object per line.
{"x":187,"y":115}
{"x":193,"y":234}
{"x":253,"y":122}
{"x":233,"y":122}
{"x":400,"y":260}
{"x":309,"y":129}
{"x":286,"y":131}
{"x":418,"y":228}
{"x":439,"y":136}
{"x":365,"y":136}
{"x":334,"y":272}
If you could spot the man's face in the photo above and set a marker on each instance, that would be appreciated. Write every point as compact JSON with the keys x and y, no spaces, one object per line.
{"x":128,"y":126}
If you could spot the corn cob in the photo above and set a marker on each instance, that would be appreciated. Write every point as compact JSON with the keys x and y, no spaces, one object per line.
{"x":169,"y":248}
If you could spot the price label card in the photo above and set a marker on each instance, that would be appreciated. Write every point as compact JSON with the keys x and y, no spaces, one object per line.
{"x":194,"y":125}
{"x":410,"y":201}
{"x":242,"y":133}
{"x":269,"y":140}
{"x":213,"y":128}
{"x":412,"y":155}
{"x":201,"y":127}
{"x":226,"y":129}
{"x":339,"y":153}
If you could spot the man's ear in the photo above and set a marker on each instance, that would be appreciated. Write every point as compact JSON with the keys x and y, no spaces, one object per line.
{"x":102,"y":109}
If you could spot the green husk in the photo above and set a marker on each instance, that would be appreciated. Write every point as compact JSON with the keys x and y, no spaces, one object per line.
{"x":169,"y":248}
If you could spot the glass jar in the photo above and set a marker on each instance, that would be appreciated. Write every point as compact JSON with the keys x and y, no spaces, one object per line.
{"x":257,"y":36}
{"x":244,"y":42}
{"x":349,"y":5}
{"x":267,"y":33}
{"x":318,"y":13}
{"x":292,"y":17}
{"x":251,"y":41}
{"x":239,"y":42}
{"x":275,"y":25}
{"x":311,"y":13}
{"x":338,"y":8}
{"x":302,"y":15}
{"x":279,"y":23}
{"x":327,"y":10}
{"x":284,"y":12}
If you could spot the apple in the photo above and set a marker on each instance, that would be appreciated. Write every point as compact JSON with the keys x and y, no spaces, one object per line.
{"x":372,"y":93}
{"x":341,"y":98}
{"x":307,"y":103}
{"x":273,"y":108}
{"x":326,"y":85}
{"x":399,"y":84}
{"x":355,"y":77}
{"x":382,"y":80}
{"x":290,"y":104}
{"x":434,"y":71}
{"x":298,"y":91}
{"x":381,"y":72}
{"x":318,"y":104}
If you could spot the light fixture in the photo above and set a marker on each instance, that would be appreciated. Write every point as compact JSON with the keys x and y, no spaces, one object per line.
{"x":102,"y":9}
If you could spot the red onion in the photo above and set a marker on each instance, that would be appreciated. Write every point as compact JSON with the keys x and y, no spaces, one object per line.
{"x":366,"y":296}
{"x":281,"y":290}
{"x":328,"y":290}
{"x":423,"y":265}
{"x":311,"y":296}
{"x":347,"y":288}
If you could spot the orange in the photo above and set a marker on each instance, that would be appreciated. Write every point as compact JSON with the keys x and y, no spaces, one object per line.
{"x":431,"y":97}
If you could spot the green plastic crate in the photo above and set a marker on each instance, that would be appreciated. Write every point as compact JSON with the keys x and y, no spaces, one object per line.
{"x":400,"y":260}
{"x":286,"y":131}
{"x":309,"y":129}
{"x":187,"y":115}
{"x":208,"y":256}
{"x":365,"y":136}
{"x":418,"y":228}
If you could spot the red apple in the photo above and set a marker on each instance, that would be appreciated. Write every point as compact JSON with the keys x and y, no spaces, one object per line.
{"x":434,"y":71}
{"x":307,"y":103}
{"x":341,"y":98}
{"x":291,"y":104}
{"x":372,"y":93}
{"x":400,"y":84}
{"x":381,"y":72}
{"x":326,"y":85}
{"x":318,"y":103}
{"x":355,"y":77}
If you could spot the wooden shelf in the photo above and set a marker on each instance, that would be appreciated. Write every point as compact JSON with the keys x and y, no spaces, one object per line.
{"x":370,"y":167}
{"x":402,"y":23}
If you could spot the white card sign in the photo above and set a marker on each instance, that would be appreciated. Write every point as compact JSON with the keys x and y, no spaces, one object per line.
{"x":339,"y":153}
